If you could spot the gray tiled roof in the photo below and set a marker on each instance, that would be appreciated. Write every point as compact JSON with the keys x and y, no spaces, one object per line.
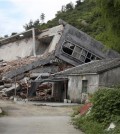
{"x":97,"y":66}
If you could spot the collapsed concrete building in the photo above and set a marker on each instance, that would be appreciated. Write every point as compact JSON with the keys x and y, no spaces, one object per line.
{"x":36,"y":53}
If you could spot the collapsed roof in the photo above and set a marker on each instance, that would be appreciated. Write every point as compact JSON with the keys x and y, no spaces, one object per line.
{"x":63,"y":42}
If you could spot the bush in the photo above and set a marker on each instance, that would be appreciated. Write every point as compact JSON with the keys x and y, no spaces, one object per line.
{"x":106,"y":105}
{"x":106,"y":109}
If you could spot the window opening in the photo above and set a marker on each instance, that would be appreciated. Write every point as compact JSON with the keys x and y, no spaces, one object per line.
{"x":84,"y":86}
{"x":67,"y":50}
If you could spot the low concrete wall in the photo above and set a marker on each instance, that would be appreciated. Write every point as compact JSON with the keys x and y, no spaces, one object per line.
{"x":75,"y":86}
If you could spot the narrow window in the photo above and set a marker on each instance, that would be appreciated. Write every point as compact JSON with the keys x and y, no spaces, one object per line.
{"x":84,"y":86}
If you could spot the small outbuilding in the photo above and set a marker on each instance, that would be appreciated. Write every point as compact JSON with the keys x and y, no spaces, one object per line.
{"x":87,"y":78}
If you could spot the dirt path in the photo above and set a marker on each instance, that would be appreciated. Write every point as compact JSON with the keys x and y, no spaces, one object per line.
{"x":30,"y":119}
{"x":26,"y":109}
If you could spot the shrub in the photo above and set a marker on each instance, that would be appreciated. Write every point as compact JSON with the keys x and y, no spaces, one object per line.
{"x":106,"y":109}
{"x":88,"y":126}
{"x":106,"y":105}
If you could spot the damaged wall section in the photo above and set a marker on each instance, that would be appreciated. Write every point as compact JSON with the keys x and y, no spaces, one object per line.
{"x":76,"y":47}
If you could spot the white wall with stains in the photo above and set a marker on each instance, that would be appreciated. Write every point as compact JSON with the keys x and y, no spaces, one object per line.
{"x":13,"y":50}
{"x":75,"y":86}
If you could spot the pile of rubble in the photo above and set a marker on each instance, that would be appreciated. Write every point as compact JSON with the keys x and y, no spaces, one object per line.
{"x":43,"y":92}
{"x":19,"y":85}
{"x":10,"y":88}
{"x":7,"y":88}
{"x":20,"y":88}
{"x":2,"y":63}
{"x":7,"y":66}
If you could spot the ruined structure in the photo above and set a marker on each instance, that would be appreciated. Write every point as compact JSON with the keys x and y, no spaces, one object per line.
{"x":32,"y":53}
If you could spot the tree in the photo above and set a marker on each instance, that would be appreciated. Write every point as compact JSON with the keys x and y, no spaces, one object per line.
{"x":29,"y":25}
{"x":63,"y":9}
{"x":36,"y":23}
{"x":69,"y":6}
{"x":6,"y":36}
{"x":78,"y":2}
{"x":42,"y":17}
{"x":32,"y":24}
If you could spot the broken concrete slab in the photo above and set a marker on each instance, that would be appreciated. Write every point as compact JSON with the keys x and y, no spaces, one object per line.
{"x":2,"y":87}
{"x":8,"y":85}
{"x":11,"y":89}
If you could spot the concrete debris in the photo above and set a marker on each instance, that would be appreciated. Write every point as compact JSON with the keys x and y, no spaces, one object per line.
{"x":44,"y":92}
{"x":10,"y":89}
{"x":1,"y":87}
{"x":7,"y":85}
{"x":3,"y":63}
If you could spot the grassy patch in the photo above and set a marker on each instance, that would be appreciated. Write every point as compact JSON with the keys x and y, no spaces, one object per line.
{"x":87,"y":125}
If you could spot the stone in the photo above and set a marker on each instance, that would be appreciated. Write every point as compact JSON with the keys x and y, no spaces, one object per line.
{"x":7,"y":85}
{"x":112,"y":126}
{"x":1,"y":87}
{"x":11,"y":98}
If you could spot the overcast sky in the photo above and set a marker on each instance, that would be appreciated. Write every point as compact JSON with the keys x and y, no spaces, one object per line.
{"x":15,"y":13}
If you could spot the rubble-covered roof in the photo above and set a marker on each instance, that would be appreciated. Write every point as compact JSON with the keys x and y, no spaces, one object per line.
{"x":97,"y":66}
{"x":20,"y":66}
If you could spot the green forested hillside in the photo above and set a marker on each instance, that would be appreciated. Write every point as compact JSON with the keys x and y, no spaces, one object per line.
{"x":98,"y":18}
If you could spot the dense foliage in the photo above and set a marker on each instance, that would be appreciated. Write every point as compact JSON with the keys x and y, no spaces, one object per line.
{"x":98,"y":18}
{"x":110,"y":18}
{"x":106,"y":109}
{"x":106,"y":105}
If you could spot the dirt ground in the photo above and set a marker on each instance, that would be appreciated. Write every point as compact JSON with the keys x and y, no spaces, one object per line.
{"x":27,"y":109}
{"x":31,"y":119}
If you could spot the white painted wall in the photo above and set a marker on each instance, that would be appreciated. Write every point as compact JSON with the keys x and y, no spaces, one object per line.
{"x":24,"y":47}
{"x":75,"y":86}
{"x":12,"y":51}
